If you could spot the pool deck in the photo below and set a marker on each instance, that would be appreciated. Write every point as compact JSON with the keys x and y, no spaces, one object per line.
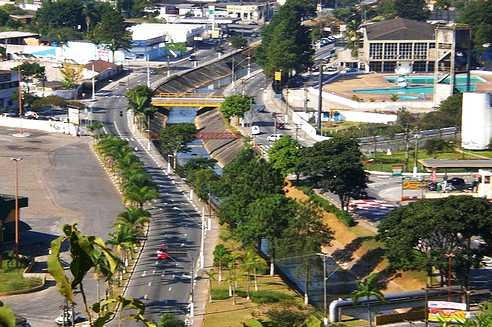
{"x":344,"y":86}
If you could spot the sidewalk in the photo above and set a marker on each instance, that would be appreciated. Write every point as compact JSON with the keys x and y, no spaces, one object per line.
{"x":201,"y":287}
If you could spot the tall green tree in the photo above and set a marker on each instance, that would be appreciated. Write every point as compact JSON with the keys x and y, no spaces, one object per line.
{"x":305,"y":236}
{"x":269,"y":216}
{"x":222,"y":257}
{"x":111,"y":32}
{"x":285,"y":155}
{"x":236,"y":105}
{"x":478,"y":14}
{"x":336,"y":166}
{"x":133,"y":217}
{"x":368,"y":288}
{"x":175,"y":137}
{"x":412,"y":9}
{"x":422,"y":235}
{"x":30,"y":72}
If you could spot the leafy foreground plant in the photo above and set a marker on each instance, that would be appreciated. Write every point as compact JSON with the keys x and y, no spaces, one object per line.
{"x":7,"y":316}
{"x":87,"y":253}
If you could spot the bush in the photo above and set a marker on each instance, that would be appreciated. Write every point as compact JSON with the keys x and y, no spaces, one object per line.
{"x":220,"y":293}
{"x":343,"y":216}
{"x":170,"y":320}
{"x":266,"y":296}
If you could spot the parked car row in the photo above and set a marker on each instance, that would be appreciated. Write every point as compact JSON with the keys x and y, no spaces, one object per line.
{"x":453,"y":184}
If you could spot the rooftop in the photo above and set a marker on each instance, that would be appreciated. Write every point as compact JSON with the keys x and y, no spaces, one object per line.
{"x":100,"y":65}
{"x":436,"y":163}
{"x":16,"y":34}
{"x":400,"y":29}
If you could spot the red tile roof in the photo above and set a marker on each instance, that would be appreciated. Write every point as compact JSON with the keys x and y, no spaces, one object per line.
{"x":100,"y":65}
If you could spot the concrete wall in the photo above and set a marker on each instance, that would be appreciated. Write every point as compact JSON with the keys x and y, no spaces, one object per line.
{"x":296,"y":99}
{"x":41,"y":125}
{"x":476,"y":123}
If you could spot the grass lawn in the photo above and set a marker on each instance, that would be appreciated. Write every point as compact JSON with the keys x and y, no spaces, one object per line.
{"x":272,"y":290}
{"x":333,"y":128}
{"x":483,"y":153}
{"x":383,"y":162}
{"x":358,"y":243}
{"x":12,"y":280}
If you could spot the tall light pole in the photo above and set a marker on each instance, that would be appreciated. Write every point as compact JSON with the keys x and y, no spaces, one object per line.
{"x":148,"y":75}
{"x":148,"y":132}
{"x":17,"y":232}
{"x":417,"y":136}
{"x":93,"y":83}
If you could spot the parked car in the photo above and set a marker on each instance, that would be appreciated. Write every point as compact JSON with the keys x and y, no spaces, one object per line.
{"x":255,"y":130}
{"x":31,"y":115}
{"x":274,"y":137}
{"x":21,"y":321}
{"x":459,"y":184}
{"x":65,"y":318}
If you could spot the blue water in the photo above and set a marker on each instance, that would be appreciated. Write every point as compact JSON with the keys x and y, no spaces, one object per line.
{"x":461,"y":79}
{"x":408,"y":90}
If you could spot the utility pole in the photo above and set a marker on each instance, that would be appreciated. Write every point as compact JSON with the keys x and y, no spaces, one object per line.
{"x":320,"y":98}
{"x":19,"y":76}
{"x":232,"y":76}
{"x":94,"y":83}
{"x":202,"y":243}
{"x":17,"y":231}
{"x":192,"y":304}
{"x":325,"y":317}
{"x":148,"y":132}
{"x":148,"y":75}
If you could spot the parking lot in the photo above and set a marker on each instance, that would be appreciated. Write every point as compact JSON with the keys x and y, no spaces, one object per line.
{"x":65,"y":184}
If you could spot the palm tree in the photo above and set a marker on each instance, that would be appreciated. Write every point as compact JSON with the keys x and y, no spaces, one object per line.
{"x":141,"y":195}
{"x":222,"y":256}
{"x":123,"y":239}
{"x":211,"y":277}
{"x":252,"y":262}
{"x":133,"y":217}
{"x":368,"y":288}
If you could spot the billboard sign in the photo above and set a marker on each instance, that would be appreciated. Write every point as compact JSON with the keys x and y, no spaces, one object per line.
{"x":73,"y":116}
{"x":443,"y":311}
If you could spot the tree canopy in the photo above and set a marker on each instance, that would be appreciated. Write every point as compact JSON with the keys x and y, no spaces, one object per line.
{"x":422,"y":234}
{"x":285,"y":155}
{"x":111,"y":32}
{"x":335,"y":165}
{"x":236,"y":105}
{"x":174,"y":137}
{"x":412,"y":9}
{"x":286,"y":43}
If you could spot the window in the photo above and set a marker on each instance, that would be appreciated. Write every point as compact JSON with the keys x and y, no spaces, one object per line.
{"x":419,"y":66}
{"x":376,"y":51}
{"x":375,"y":66}
{"x":390,"y":50}
{"x":487,"y":180}
{"x":430,"y":66}
{"x":432,"y":45}
{"x":405,"y":50}
{"x":389,"y":66}
{"x":420,"y":51}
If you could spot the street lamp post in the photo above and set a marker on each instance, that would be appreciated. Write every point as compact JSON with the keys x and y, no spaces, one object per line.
{"x":17,"y":232}
{"x":417,"y":136}
{"x":148,"y":132}
{"x":93,"y":83}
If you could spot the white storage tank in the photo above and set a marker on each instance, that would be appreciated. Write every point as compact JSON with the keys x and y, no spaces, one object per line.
{"x":476,"y":125}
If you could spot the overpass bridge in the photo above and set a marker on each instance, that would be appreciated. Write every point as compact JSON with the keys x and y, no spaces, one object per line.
{"x":186,"y":100}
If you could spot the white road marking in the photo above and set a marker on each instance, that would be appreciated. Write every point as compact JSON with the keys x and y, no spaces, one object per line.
{"x":149,"y":284}
{"x":155,"y":264}
{"x":182,"y":244}
{"x":170,"y":288}
{"x":153,"y":272}
{"x":145,"y":297}
{"x":117,"y":129}
{"x":144,"y":273}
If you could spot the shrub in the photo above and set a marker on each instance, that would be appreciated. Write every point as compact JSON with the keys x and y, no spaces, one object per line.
{"x":269,"y":297}
{"x":220,"y":293}
{"x":323,"y":203}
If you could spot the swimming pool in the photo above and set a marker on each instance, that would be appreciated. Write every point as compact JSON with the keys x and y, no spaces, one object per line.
{"x":460,"y":79}
{"x":408,"y":90}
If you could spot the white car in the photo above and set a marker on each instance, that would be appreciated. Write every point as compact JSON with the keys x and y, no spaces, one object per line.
{"x":255,"y":130}
{"x":67,"y":320}
{"x":274,"y":137}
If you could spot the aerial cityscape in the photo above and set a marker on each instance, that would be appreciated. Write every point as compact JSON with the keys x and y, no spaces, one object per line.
{"x":284,"y":163}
